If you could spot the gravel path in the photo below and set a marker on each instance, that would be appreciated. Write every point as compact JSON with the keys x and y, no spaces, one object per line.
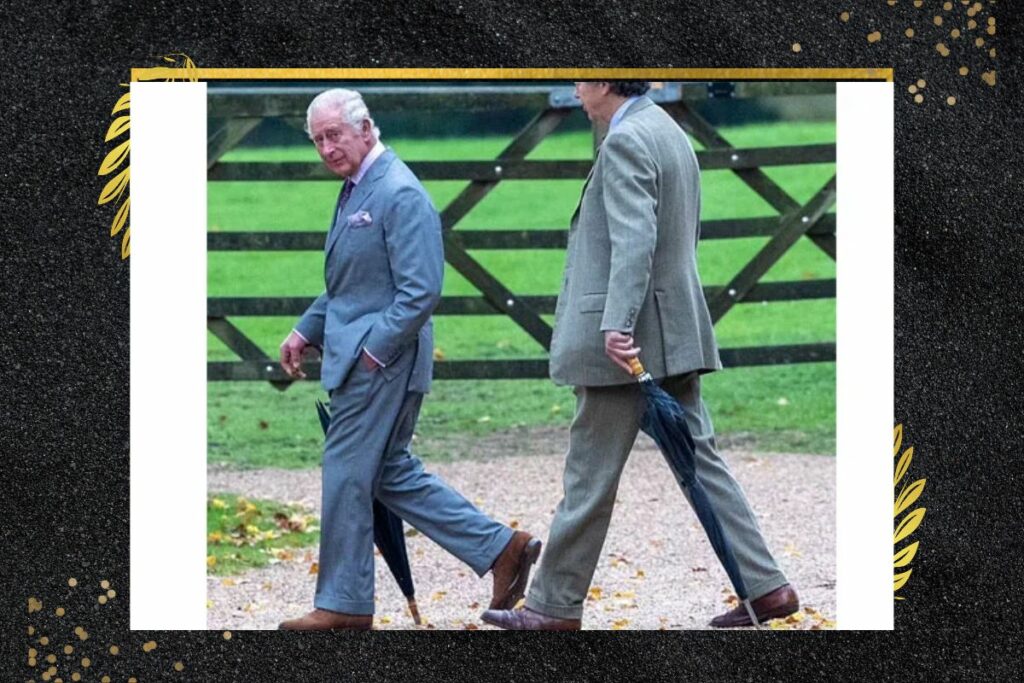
{"x":657,"y":569}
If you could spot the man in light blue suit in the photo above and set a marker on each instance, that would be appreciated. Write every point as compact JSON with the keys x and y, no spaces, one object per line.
{"x":383,"y":269}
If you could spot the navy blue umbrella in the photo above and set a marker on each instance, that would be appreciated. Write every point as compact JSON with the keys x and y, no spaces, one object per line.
{"x":388,"y":536}
{"x":664,"y":420}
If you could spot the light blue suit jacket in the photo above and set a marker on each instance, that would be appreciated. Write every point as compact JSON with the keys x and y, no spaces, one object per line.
{"x":383,"y":270}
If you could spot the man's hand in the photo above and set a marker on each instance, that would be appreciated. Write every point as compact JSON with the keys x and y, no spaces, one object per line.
{"x":368,"y":362}
{"x":291,"y":355}
{"x":619,"y":347}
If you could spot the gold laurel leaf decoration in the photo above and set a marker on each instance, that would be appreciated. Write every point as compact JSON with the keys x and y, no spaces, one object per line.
{"x":122,"y":103}
{"x":118,"y":126}
{"x":120,"y":218}
{"x":115,"y":187}
{"x":126,"y":244}
{"x":903,"y":500}
{"x":115,"y":158}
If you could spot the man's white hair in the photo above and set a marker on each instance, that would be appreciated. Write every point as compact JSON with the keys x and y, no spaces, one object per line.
{"x":347,"y":104}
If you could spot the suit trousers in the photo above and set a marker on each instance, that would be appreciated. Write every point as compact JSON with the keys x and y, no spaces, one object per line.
{"x":366,"y":456}
{"x":601,"y":437}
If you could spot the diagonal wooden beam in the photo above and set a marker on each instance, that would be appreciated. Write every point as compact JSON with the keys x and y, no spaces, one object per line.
{"x":793,"y":226}
{"x":527,"y":139}
{"x":243,"y":347}
{"x":226,"y":137}
{"x":755,"y":178}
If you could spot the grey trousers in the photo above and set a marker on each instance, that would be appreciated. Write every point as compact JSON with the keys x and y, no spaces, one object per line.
{"x":366,"y":455}
{"x":601,"y":437}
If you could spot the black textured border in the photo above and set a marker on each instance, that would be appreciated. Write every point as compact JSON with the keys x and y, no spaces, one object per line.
{"x":64,"y":419}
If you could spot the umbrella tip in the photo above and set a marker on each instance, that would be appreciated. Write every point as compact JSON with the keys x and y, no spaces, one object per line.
{"x":414,"y":610}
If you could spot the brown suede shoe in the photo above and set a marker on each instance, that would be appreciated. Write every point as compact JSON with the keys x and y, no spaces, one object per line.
{"x":325,"y":620}
{"x":511,"y":570}
{"x":527,"y":620}
{"x":780,"y":603}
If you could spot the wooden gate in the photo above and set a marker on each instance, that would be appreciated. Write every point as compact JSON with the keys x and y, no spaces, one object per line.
{"x":235,"y":112}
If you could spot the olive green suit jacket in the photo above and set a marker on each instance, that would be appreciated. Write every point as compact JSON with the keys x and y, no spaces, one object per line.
{"x":631,"y":263}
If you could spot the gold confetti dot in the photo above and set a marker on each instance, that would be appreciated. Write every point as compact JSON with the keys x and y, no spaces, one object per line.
{"x":31,"y":661}
{"x":51,"y":658}
{"x":102,"y":599}
{"x":132,"y":680}
{"x":86,"y":662}
{"x":32,"y":652}
{"x":59,"y":611}
{"x":845,"y":16}
{"x":104,"y":584}
{"x":912,"y":89}
{"x":31,"y":630}
{"x":796,"y":47}
{"x":951,"y":100}
{"x":909,"y":33}
{"x":992,"y":53}
{"x":919,"y":98}
{"x":979,"y":42}
{"x":76,"y":676}
{"x":964,"y":71}
{"x":111,"y":593}
{"x":149,"y":647}
{"x":976,"y":6}
{"x":991,"y":30}
{"x":918,"y":3}
{"x":114,"y":649}
{"x":942,"y":49}
{"x":989,"y":77}
{"x":227,"y":635}
{"x":874,"y":37}
{"x":947,"y":6}
{"x":921,"y":83}
{"x":971,"y":12}
{"x":178,"y":666}
{"x":955,"y":33}
{"x":44,"y":641}
{"x":937,"y":20}
{"x":972,"y":24}
{"x":72,"y":582}
{"x":991,"y":21}
{"x":68,"y":649}
{"x":105,"y":679}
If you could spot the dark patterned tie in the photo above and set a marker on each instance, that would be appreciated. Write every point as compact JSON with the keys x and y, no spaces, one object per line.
{"x":346,"y":192}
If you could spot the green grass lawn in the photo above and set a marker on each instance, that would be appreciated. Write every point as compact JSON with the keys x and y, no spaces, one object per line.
{"x":773,"y":408}
{"x":245,"y":534}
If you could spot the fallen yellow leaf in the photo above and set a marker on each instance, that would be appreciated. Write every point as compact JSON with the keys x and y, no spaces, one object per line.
{"x":620,"y":624}
{"x":211,"y":561}
{"x":594,"y":593}
{"x":437,"y":596}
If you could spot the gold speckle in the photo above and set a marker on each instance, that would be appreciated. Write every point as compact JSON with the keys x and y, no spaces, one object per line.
{"x":951,"y":100}
{"x":991,"y":21}
{"x":921,"y":83}
{"x":912,"y":88}
{"x":111,"y":593}
{"x":955,"y":33}
{"x":989,"y":77}
{"x":72,"y":582}
{"x":845,"y":16}
{"x":918,"y":3}
{"x":52,"y":659}
{"x":132,"y":680}
{"x":31,"y":661}
{"x":874,"y":37}
{"x":971,"y":11}
{"x":102,"y":599}
{"x":976,"y":7}
{"x":979,"y":42}
{"x":149,"y":647}
{"x":947,"y":6}
{"x":31,"y":630}
{"x":964,"y":71}
{"x":227,"y":635}
{"x":992,"y":53}
{"x":178,"y":666}
{"x":76,"y":676}
{"x":919,"y":98}
{"x":114,"y":649}
{"x":972,"y":24}
{"x":32,"y":652}
{"x":59,"y":611}
{"x":105,"y":679}
{"x":86,"y":662}
{"x":796,"y":47}
{"x":68,"y":649}
{"x":909,"y":33}
{"x":34,"y":605}
{"x":942,"y":49}
{"x":44,"y":641}
{"x":104,"y":584}
{"x":937,"y":20}
{"x":991,"y":30}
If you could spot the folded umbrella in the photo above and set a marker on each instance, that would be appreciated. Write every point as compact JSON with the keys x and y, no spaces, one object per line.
{"x":664,"y":420}
{"x":388,"y":536}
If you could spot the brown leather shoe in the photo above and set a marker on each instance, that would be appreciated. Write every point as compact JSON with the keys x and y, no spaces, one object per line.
{"x":527,"y":620}
{"x":325,"y":620}
{"x":780,"y":603}
{"x":511,"y":570}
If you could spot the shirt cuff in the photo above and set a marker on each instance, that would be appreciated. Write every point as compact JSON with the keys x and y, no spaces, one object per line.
{"x":297,"y":334}
{"x":367,"y":352}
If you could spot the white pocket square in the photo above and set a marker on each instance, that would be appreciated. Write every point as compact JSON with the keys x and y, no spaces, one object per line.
{"x":360,"y":219}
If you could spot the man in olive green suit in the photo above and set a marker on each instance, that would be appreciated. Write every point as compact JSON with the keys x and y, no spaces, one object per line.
{"x":631,"y":288}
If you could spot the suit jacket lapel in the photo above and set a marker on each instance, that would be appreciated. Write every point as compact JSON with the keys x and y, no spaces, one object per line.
{"x":359,"y":195}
